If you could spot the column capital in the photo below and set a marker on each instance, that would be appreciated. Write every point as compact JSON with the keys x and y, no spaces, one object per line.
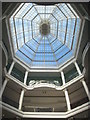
{"x":74,"y":61}
{"x":64,"y":89}
{"x":61,"y":71}
{"x":23,"y":89}
{"x":27,"y":70}
{"x":7,"y":79}
{"x":14,"y":61}
{"x":82,"y":80}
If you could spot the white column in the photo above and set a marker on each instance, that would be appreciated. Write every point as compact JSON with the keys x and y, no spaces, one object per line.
{"x":63,"y":78}
{"x":11,"y":67}
{"x":86,"y":88}
{"x":67,"y":100}
{"x":78,"y":69}
{"x":53,"y":109}
{"x":21,"y":99}
{"x":3,"y":87}
{"x":25,"y":78}
{"x":34,"y":110}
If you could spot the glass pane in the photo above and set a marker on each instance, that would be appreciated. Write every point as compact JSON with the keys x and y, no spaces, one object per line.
{"x":49,"y":9}
{"x":31,"y":14}
{"x":24,"y":10}
{"x":40,"y":8}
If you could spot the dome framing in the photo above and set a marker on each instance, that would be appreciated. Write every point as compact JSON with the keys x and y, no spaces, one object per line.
{"x":37,"y":50}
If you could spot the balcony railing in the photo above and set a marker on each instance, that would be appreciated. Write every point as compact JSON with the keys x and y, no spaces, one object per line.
{"x":36,"y":82}
{"x":68,"y":76}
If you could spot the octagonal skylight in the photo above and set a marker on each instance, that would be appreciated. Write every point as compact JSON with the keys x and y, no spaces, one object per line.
{"x":44,"y":36}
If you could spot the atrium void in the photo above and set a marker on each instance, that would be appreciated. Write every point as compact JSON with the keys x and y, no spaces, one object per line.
{"x":45,"y":68}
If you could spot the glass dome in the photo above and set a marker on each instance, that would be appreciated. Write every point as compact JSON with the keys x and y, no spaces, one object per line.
{"x":44,"y":36}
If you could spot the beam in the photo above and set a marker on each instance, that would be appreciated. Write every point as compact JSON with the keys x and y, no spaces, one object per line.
{"x":3,"y":87}
{"x":11,"y":67}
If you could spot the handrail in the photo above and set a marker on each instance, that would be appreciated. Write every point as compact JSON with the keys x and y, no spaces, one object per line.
{"x":67,"y":114}
{"x":78,"y":78}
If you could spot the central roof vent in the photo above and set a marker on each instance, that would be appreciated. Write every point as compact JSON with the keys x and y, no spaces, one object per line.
{"x":44,"y":28}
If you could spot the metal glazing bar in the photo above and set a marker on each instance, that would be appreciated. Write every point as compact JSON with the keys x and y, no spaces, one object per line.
{"x":30,"y":47}
{"x":65,"y":10}
{"x":36,"y":41}
{"x":66,"y":31}
{"x":38,"y":13}
{"x":32,"y":29}
{"x":43,"y":61}
{"x":36,"y":35}
{"x":28,"y":51}
{"x":57,"y":28}
{"x":53,"y":36}
{"x":36,"y":49}
{"x":61,"y":11}
{"x":52,"y":12}
{"x":25,"y":55}
{"x":74,"y":25}
{"x":26,"y":31}
{"x":63,"y":55}
{"x":52,"y":22}
{"x":23,"y":31}
{"x":43,"y":52}
{"x":53,"y":41}
{"x":59,"y":48}
{"x":27,"y":12}
{"x":19,"y":9}
{"x":45,"y":13}
{"x":66,"y":24}
{"x":71,"y":10}
{"x":16,"y":34}
{"x":53,"y":52}
{"x":34,"y":17}
{"x":44,"y":49}
{"x":73,"y":33}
